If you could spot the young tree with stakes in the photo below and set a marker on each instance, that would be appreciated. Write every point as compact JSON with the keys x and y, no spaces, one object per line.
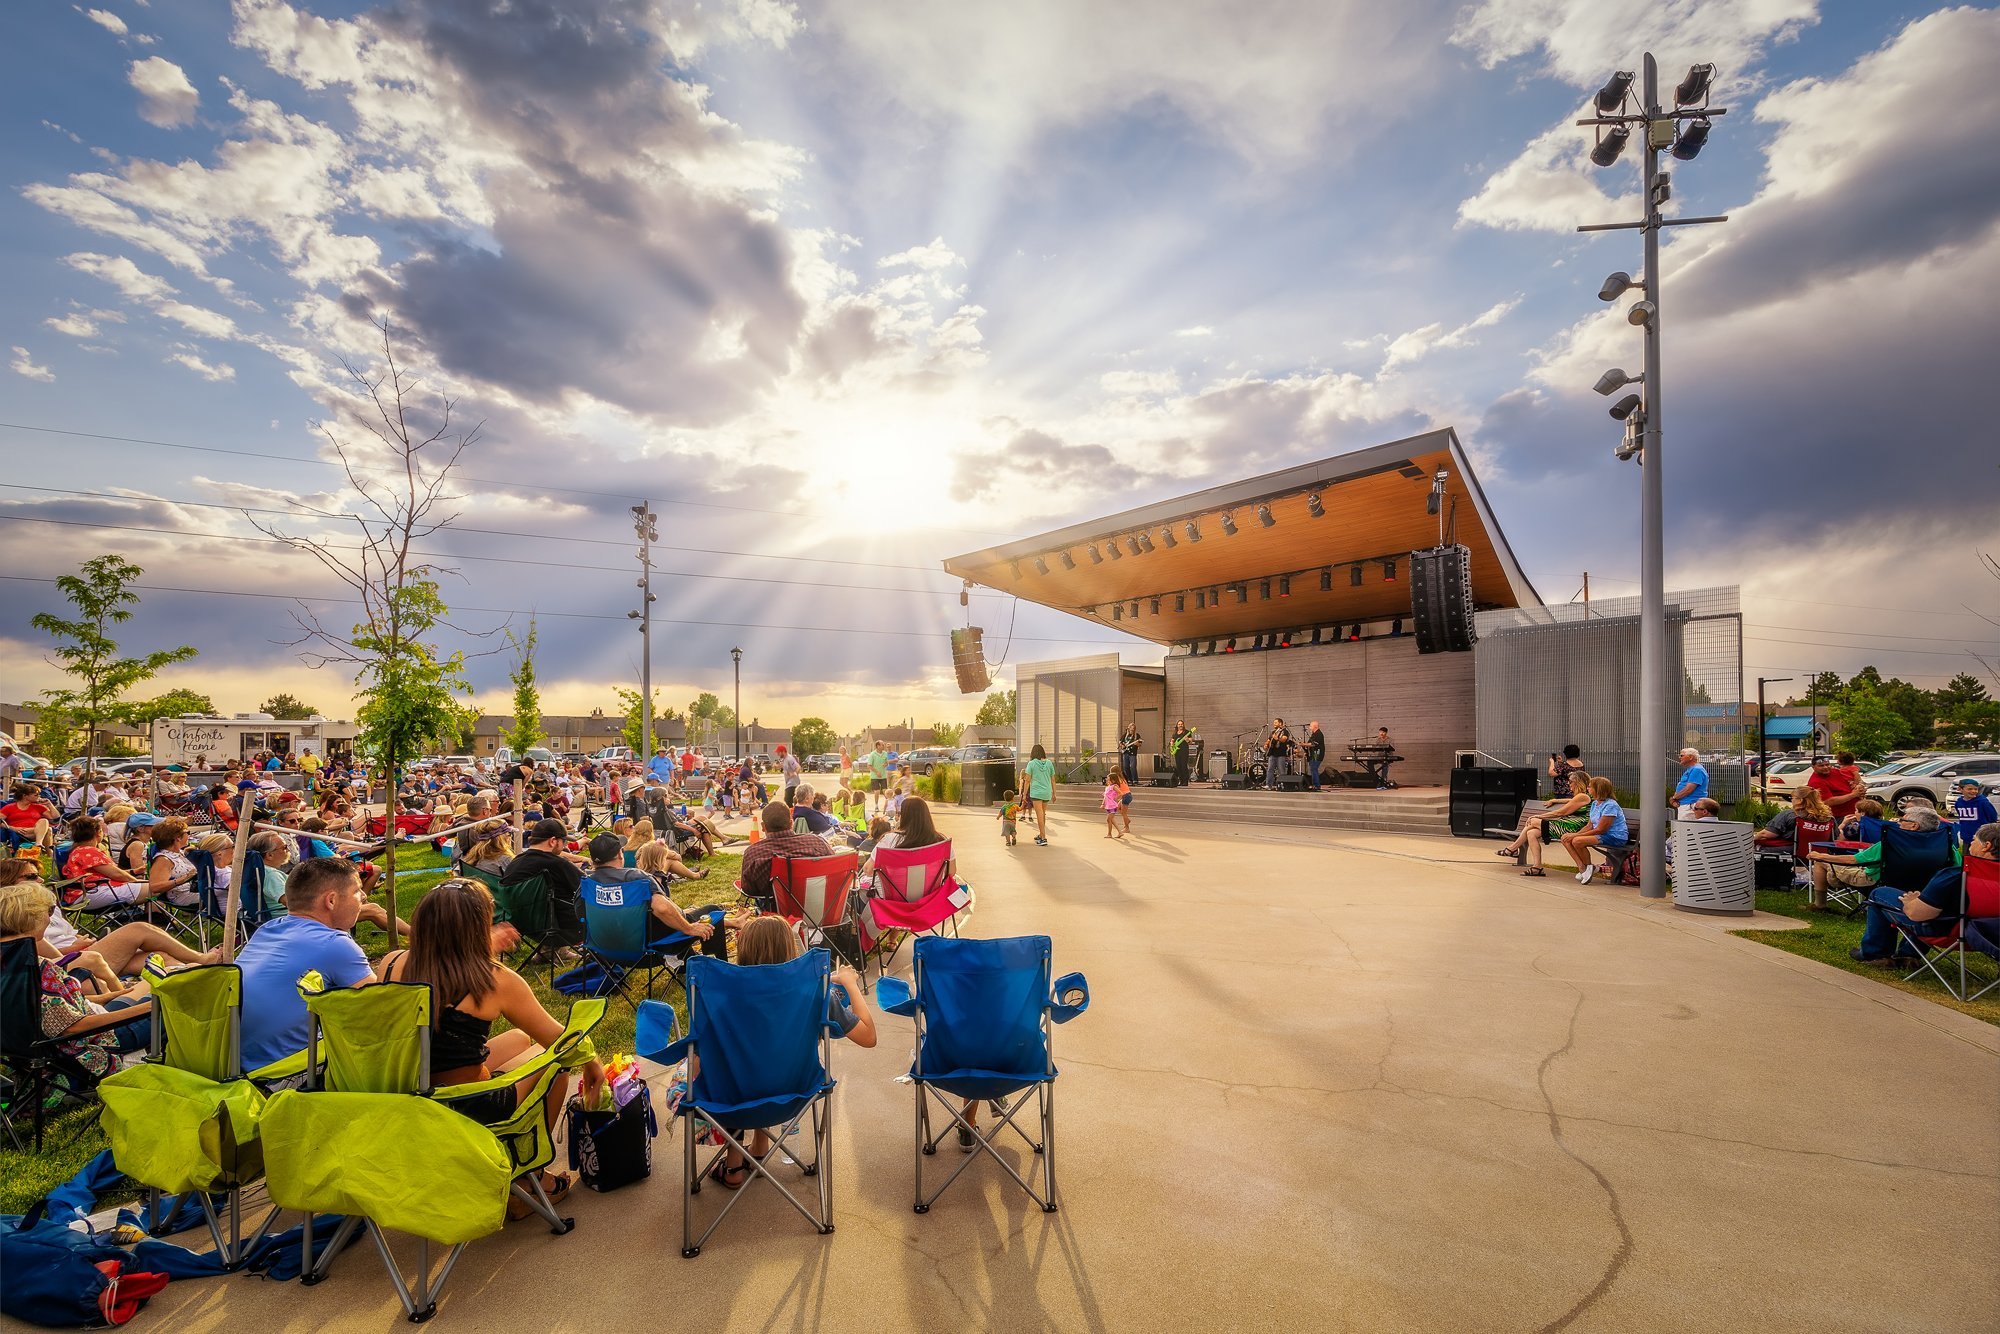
{"x":527,"y":728}
{"x":407,"y":689}
{"x":102,"y":595}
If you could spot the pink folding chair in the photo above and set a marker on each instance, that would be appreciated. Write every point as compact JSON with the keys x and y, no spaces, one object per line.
{"x":914,"y":893}
{"x":813,"y":893}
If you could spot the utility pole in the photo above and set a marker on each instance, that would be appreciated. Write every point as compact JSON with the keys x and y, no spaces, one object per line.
{"x":647,"y":526}
{"x":736,"y":658}
{"x":1763,"y":751}
{"x":1660,"y":130}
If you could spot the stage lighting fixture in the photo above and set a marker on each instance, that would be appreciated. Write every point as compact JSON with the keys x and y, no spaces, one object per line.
{"x":1286,"y":642}
{"x":1264,"y":589}
{"x":1257,"y":644}
{"x":1313,"y":506}
{"x":1156,"y":607}
{"x":1017,"y":569}
{"x":1134,"y":613}
{"x":1693,"y":90}
{"x":1612,"y":95}
{"x":1315,"y":634}
{"x":1228,"y":525}
{"x":1146,"y":543}
{"x":1326,"y":580}
{"x":1200,"y":599}
{"x":1117,"y":612}
{"x":1689,"y":143}
{"x":1388,"y":571}
{"x":1354,"y":576}
{"x":1180,"y":602}
{"x":1215,"y":597}
{"x":1095,"y":559}
{"x":1354,"y":632}
{"x":1284,"y":585}
{"x":1616,"y":286}
{"x":1396,"y":626}
{"x":1242,"y":594}
{"x":1264,"y":516}
{"x":1111,"y":548}
{"x":1041,"y":566}
{"x":1615,"y":379}
{"x":1211,"y":649}
{"x":1167,"y":537}
{"x":1193,"y":531}
{"x":1132,"y":544}
{"x":1611,"y":145}
{"x":1625,"y":407}
{"x":1068,"y":561}
{"x":1230,"y":647}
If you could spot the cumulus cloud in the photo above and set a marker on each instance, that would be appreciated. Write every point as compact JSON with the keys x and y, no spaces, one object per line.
{"x":166,"y":98}
{"x":83,"y":323}
{"x":122,"y":274}
{"x":1039,"y":461}
{"x":24,"y":365}
{"x":1420,"y":343}
{"x":107,"y":20}
{"x":213,"y":374}
{"x":1551,"y":186}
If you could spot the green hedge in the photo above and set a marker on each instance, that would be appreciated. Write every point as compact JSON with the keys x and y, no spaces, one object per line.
{"x":942,"y":784}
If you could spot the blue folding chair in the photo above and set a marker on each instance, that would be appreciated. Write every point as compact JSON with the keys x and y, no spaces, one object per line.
{"x":1910,"y":857}
{"x":985,"y":1013}
{"x":762,"y":1038}
{"x":624,"y":939}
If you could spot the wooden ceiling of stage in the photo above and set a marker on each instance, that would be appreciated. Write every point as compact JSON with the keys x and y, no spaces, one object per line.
{"x":1375,"y":510}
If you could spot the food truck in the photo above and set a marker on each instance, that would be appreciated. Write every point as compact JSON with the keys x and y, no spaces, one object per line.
{"x":205,"y":743}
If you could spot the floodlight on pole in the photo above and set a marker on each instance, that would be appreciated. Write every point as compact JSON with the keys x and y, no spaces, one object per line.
{"x":1692,"y":91}
{"x":1693,"y":136}
{"x":1615,"y":379}
{"x":1617,"y":285}
{"x":1610,"y":146}
{"x":1625,"y":407}
{"x":1612,"y":95}
{"x":1641,"y":314}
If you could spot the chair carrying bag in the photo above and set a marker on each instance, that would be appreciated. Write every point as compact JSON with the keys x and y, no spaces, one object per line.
{"x":609,"y":1149}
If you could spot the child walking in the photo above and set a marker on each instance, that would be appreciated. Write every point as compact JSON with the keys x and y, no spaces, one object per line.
{"x":1111,"y":808}
{"x":1010,"y":811}
{"x":1124,"y":798}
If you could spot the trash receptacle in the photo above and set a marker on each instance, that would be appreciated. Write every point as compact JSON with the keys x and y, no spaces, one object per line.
{"x":984,"y":782}
{"x":1713,"y":868}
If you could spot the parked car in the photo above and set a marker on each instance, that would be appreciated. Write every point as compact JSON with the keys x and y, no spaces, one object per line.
{"x":622,"y":754}
{"x":984,"y":751}
{"x":828,"y":763}
{"x":1783,"y":777}
{"x":926,"y":758}
{"x":1933,"y":780}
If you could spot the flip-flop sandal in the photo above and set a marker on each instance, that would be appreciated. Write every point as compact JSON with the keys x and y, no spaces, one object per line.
{"x":1504,"y":852}
{"x":556,"y":1188}
{"x":1533,"y":872}
{"x":721,"y":1173}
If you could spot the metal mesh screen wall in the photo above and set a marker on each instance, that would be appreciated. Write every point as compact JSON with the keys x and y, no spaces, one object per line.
{"x":1548,"y":676}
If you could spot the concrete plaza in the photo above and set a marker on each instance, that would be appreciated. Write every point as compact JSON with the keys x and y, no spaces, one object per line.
{"x":1336,"y":1081}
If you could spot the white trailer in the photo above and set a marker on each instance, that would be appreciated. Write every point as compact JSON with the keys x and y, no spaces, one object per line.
{"x":210,"y":743}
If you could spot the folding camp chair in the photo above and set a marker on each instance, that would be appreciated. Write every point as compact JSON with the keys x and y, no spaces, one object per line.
{"x":915,"y":893}
{"x":1805,"y":833}
{"x":372,"y":1138}
{"x":35,"y":1069}
{"x":814,"y":894}
{"x":985,"y":1012}
{"x":621,"y":935}
{"x":185,"y":1122}
{"x":1980,"y":898}
{"x":249,"y":893}
{"x":529,"y":906}
{"x":763,"y":1039}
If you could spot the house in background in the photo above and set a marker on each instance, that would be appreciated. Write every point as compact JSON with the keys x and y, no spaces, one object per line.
{"x":570,"y":732}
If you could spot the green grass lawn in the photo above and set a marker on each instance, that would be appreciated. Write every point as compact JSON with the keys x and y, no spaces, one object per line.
{"x":69,"y":1143}
{"x":1831,"y":936}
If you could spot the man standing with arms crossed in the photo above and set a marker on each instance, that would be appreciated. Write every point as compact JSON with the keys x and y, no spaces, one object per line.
{"x":1693,"y":785}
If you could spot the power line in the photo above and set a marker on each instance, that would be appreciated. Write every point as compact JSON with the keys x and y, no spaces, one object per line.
{"x":499,"y":560}
{"x":572,"y":615}
{"x":1553,"y":577}
{"x":486,"y":532}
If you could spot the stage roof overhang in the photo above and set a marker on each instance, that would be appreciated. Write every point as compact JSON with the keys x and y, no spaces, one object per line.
{"x":1211,"y":585}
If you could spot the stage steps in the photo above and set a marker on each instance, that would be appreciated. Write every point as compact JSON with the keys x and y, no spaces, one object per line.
{"x":1422,"y":810}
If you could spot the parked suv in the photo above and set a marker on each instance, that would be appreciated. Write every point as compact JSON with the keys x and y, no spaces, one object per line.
{"x":1933,"y":780}
{"x":926,"y":758}
{"x":985,"y":751}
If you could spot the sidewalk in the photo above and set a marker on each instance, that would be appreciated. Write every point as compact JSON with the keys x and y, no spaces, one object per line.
{"x":1337,"y":1081}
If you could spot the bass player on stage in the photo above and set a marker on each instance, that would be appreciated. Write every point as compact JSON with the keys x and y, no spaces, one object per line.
{"x":1180,"y":745}
{"x":1277,"y":753}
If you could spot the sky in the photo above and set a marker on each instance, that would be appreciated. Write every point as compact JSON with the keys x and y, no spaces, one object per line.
{"x":846,"y":289}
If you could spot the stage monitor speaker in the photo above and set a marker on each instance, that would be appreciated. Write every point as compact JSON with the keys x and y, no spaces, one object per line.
{"x":1236,"y":781}
{"x":1500,"y":813}
{"x":1441,"y":599}
{"x":1468,"y":782}
{"x":1291,"y":782}
{"x":968,"y":660}
{"x":1468,"y":819}
{"x":1165,"y":780}
{"x":1518,"y":784}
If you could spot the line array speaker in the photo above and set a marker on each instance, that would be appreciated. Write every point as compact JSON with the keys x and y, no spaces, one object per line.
{"x":1441,"y":599}
{"x":968,"y":660}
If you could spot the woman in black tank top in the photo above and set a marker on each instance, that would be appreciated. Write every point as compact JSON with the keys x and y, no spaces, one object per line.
{"x":451,"y":949}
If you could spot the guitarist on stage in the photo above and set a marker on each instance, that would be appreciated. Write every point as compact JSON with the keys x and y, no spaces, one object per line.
{"x":1128,"y":752}
{"x":1277,"y":753}
{"x":1181,"y":746}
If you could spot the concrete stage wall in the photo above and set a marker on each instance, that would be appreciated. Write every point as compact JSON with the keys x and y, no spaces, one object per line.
{"x":1353,"y":687}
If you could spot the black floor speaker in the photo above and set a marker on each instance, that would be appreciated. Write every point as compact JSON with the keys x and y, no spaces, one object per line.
{"x":1236,"y":782}
{"x":1441,"y":599}
{"x":1291,"y":782}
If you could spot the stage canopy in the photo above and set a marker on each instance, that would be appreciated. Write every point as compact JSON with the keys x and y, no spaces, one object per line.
{"x":1190,"y":578}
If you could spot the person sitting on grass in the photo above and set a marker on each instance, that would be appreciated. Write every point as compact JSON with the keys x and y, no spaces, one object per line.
{"x":1551,"y":824}
{"x":108,"y":959}
{"x":1927,"y":911}
{"x":1605,"y":828}
{"x":67,"y":1012}
{"x":768,"y":940}
{"x":450,"y":949}
{"x":1861,"y":869}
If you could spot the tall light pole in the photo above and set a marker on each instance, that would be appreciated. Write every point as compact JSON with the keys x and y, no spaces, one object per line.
{"x":736,"y":657}
{"x":1763,"y":752}
{"x":647,"y":525}
{"x":1661,"y":130}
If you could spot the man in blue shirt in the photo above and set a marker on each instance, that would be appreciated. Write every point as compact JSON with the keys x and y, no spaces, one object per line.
{"x":661,"y":766}
{"x":1694,"y":783}
{"x":322,"y":904}
{"x":1971,"y":809}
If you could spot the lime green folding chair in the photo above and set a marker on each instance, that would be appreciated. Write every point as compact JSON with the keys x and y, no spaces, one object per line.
{"x":185,"y":1122}
{"x":370,"y":1137}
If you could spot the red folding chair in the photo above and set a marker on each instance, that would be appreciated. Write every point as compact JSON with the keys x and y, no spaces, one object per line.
{"x":813,"y":894}
{"x":915,"y":893}
{"x":1981,"y":900}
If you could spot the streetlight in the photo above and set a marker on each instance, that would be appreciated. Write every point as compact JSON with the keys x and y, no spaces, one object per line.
{"x":1763,"y":761}
{"x":736,"y":657}
{"x":1659,"y":130}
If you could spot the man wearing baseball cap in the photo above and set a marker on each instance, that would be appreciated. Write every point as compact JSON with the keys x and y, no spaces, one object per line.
{"x":547,"y":860}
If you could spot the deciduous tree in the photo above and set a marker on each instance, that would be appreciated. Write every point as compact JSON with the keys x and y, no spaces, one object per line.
{"x":102,"y":595}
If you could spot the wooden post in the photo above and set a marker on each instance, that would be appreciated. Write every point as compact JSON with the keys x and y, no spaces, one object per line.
{"x":519,"y":847}
{"x":245,"y":806}
{"x":389,"y":851}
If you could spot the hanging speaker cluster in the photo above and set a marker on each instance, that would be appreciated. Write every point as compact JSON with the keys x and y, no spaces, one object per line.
{"x":1441,"y":599}
{"x":968,"y":660}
